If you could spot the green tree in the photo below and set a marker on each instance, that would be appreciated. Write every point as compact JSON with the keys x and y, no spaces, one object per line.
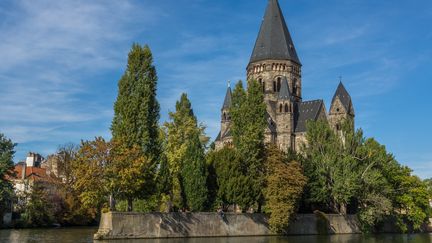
{"x":330,"y":164}
{"x":38,"y":209}
{"x":284,"y":186}
{"x":248,"y":114}
{"x":131,"y":175}
{"x":6,"y":170}
{"x":180,"y":131}
{"x":136,"y":111}
{"x":194,"y":175}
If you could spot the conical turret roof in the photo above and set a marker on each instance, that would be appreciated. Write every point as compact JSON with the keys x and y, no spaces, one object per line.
{"x":227,"y":102}
{"x":274,"y":40}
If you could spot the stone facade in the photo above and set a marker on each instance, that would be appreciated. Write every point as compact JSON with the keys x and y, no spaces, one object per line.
{"x":275,"y":65}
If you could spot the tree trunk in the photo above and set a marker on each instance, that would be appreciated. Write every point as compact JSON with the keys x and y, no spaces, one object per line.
{"x":112,"y":203}
{"x":130,"y":205}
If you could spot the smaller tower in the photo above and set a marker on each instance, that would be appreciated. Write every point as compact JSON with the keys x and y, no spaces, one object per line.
{"x":341,"y":108}
{"x":225,"y":114}
{"x":284,"y":117}
{"x":224,"y":138}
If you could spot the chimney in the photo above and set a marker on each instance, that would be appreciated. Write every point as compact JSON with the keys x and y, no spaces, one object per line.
{"x":23,"y":171}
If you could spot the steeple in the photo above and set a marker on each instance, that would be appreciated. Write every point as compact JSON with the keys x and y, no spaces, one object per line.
{"x":284,"y":93}
{"x":343,"y":96}
{"x":227,"y":101}
{"x":274,"y":40}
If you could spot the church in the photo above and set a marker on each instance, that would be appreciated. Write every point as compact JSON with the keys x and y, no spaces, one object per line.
{"x":274,"y":63}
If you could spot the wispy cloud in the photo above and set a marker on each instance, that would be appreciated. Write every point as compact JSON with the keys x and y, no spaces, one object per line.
{"x":52,"y":53}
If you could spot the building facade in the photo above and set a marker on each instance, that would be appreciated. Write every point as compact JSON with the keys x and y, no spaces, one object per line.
{"x":274,"y":63}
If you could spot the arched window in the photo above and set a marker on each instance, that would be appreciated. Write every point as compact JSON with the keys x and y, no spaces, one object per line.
{"x":286,"y":108}
{"x":279,"y":81}
{"x":294,"y":86}
{"x":224,"y":116}
{"x":274,"y":86}
{"x":280,"y":108}
{"x":338,"y":127}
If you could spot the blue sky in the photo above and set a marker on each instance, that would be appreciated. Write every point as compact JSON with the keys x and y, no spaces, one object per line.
{"x":60,"y":61}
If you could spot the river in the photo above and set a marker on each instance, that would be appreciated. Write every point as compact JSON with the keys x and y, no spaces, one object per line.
{"x":84,"y":235}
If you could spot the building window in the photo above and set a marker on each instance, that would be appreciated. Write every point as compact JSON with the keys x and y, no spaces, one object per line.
{"x":294,"y":86}
{"x":286,"y":108}
{"x":280,"y":108}
{"x":274,"y":86}
{"x":338,"y":127}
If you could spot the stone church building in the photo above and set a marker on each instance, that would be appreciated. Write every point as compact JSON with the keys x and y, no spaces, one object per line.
{"x":276,"y":65}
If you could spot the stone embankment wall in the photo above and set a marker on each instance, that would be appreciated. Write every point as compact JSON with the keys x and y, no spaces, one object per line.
{"x":116,"y":225}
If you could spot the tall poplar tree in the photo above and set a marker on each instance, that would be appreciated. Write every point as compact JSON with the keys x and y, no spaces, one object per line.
{"x":248,"y":114}
{"x":182,"y":130}
{"x":136,"y":111}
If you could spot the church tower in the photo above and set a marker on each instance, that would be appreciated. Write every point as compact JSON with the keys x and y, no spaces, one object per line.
{"x":274,"y":57}
{"x":341,"y":108}
{"x":285,"y":117}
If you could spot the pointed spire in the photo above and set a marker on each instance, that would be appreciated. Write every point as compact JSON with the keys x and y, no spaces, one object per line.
{"x":343,"y":95}
{"x":284,"y":93}
{"x":274,"y":40}
{"x":227,"y":101}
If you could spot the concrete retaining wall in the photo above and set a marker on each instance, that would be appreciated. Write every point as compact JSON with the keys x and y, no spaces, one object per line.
{"x":115,"y":225}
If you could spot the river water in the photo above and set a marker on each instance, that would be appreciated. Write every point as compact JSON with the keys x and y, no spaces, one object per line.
{"x":84,"y":235}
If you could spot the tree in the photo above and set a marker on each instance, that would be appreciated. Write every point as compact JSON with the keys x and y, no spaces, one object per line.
{"x":180,"y":131}
{"x":329,"y":163}
{"x":194,"y":175}
{"x":131,"y":175}
{"x":136,"y":110}
{"x":345,"y":170}
{"x":248,"y":114}
{"x":38,"y":209}
{"x":284,"y":186}
{"x":92,"y":184}
{"x":6,"y":170}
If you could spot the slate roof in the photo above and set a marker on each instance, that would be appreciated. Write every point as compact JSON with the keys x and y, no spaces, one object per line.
{"x":274,"y":40}
{"x":308,"y":110}
{"x":227,"y":102}
{"x":284,"y":93}
{"x":343,"y":95}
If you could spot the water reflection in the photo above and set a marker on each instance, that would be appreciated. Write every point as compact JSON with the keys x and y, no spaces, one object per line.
{"x":84,"y":235}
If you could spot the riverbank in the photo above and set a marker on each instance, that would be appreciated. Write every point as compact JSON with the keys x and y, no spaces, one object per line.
{"x":116,"y":225}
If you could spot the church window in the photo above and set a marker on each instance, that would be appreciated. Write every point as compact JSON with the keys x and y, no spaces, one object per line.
{"x":224,"y":116}
{"x":286,"y":108}
{"x":294,"y":86}
{"x":280,"y":108}
{"x":338,"y":127}
{"x":274,"y":86}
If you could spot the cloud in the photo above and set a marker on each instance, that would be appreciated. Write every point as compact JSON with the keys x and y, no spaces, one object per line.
{"x":52,"y":54}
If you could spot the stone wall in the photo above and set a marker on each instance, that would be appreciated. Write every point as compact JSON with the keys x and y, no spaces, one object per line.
{"x":115,"y":225}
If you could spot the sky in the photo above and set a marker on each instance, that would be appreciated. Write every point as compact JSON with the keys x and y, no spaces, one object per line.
{"x":60,"y":61}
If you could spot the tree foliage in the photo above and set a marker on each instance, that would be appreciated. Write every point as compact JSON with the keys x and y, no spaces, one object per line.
{"x":345,"y":170}
{"x":284,"y":186}
{"x":184,"y":144}
{"x":92,"y":183}
{"x":6,"y":170}
{"x":194,"y":176}
{"x":136,"y":110}
{"x":248,"y":114}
